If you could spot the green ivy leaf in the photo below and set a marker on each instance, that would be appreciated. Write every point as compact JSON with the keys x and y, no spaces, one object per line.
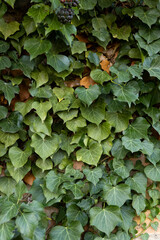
{"x":153,"y":172}
{"x":18,"y":173}
{"x":25,"y":64}
{"x":68,"y":115}
{"x":118,"y":120}
{"x":41,"y":77}
{"x":45,"y":146}
{"x":3,"y":112}
{"x":93,"y":58}
{"x":78,"y":47}
{"x":29,"y":24}
{"x":139,"y":203}
{"x":9,"y":211}
{"x":53,"y":181}
{"x":128,"y":93}
{"x":74,"y":213}
{"x":10,"y":2}
{"x":127,"y":216}
{"x":149,"y":17}
{"x":75,"y":124}
{"x":7,"y":185}
{"x":116,"y":195}
{"x":118,"y":150}
{"x":138,"y":129}
{"x":8,"y":138}
{"x":90,"y":156}
{"x":93,"y":175}
{"x":68,"y":30}
{"x":132,"y":145}
{"x":26,"y":224}
{"x":75,"y":188}
{"x":72,"y":231}
{"x":19,"y":157}
{"x":36,"y":46}
{"x":149,"y":34}
{"x":9,"y":90}
{"x":4,"y":46}
{"x":58,"y":62}
{"x":38,"y":12}
{"x":95,"y":113}
{"x":100,"y":132}
{"x":42,"y":109}
{"x":121,"y":33}
{"x":105,"y":219}
{"x":66,"y":144}
{"x":100,"y":76}
{"x":138,"y":183}
{"x":88,"y":4}
{"x":4,"y":63}
{"x":88,"y":95}
{"x":8,"y":29}
{"x":13,"y":123}
{"x":121,"y":168}
{"x":7,"y":230}
{"x":155,"y":156}
{"x":152,"y":66}
{"x":44,"y":165}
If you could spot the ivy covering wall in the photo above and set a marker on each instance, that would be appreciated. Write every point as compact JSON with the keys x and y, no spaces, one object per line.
{"x":79,"y":113}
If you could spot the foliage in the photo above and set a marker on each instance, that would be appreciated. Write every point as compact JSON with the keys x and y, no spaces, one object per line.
{"x":80,"y":116}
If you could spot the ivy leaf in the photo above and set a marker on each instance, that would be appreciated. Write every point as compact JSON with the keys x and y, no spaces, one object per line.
{"x":127,"y":216}
{"x":3,"y":112}
{"x":19,"y":157}
{"x":149,"y":34}
{"x":93,"y":175}
{"x":75,"y":124}
{"x":18,"y":173}
{"x":7,"y":185}
{"x":138,"y":183}
{"x":4,"y":63}
{"x":105,"y":219}
{"x":53,"y":181}
{"x":93,"y":58}
{"x":25,"y":64}
{"x":88,"y":95}
{"x":3,"y":150}
{"x":8,"y":90}
{"x":100,"y":76}
{"x":151,"y":48}
{"x":138,"y":129}
{"x":58,"y":62}
{"x":118,"y":120}
{"x":44,"y":165}
{"x":75,"y":188}
{"x":4,"y":46}
{"x":95,"y":113}
{"x":121,"y":33}
{"x":7,"y":230}
{"x":13,"y":123}
{"x":68,"y":115}
{"x":9,"y":210}
{"x":8,"y":29}
{"x":26,"y":224}
{"x":149,"y":17}
{"x":99,"y":132}
{"x":116,"y":195}
{"x":78,"y":47}
{"x":118,"y":150}
{"x":139,"y":203}
{"x":10,"y":2}
{"x":74,"y":213}
{"x":36,"y":46}
{"x":147,"y":147}
{"x":38,"y":12}
{"x":66,"y":144}
{"x":29,"y":24}
{"x":121,"y":168}
{"x":153,"y":172}
{"x":153,"y":113}
{"x":45,"y":146}
{"x":133,"y":145}
{"x":152,"y":65}
{"x":155,"y":156}
{"x":88,"y":4}
{"x":128,"y":93}
{"x":68,"y":30}
{"x":8,"y":138}
{"x":42,"y":109}
{"x":90,"y":156}
{"x":40,"y":77}
{"x":72,"y":231}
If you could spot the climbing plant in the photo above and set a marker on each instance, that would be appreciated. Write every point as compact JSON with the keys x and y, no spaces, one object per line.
{"x":79,"y":115}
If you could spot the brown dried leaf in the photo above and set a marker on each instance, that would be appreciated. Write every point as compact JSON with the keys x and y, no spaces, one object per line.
{"x":87,"y":81}
{"x":29,"y":178}
{"x":82,"y":38}
{"x":78,"y":165}
{"x":74,"y":83}
{"x":105,"y":65}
